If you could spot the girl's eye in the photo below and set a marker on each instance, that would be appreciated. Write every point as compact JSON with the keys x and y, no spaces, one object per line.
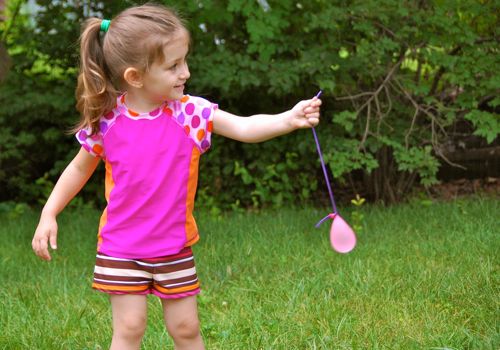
{"x":175,"y":65}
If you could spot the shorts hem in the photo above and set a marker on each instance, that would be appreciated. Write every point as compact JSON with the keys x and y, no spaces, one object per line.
{"x":121,"y":293}
{"x":152,"y":292}
{"x":175,"y":296}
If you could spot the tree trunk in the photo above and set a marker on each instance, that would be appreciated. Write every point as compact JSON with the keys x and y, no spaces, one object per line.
{"x":4,"y":55}
{"x":4,"y":61}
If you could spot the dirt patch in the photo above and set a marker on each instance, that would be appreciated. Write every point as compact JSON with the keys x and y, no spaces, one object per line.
{"x":456,"y":188}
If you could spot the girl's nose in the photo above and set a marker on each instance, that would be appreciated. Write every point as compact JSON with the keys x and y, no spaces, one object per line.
{"x":185,"y":74}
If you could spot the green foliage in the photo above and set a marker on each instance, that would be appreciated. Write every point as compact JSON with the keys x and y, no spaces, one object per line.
{"x":487,"y":124}
{"x":42,"y":189}
{"x":12,"y":210}
{"x":397,"y":77}
{"x":419,"y":160}
{"x":357,"y":215}
{"x":273,"y":184}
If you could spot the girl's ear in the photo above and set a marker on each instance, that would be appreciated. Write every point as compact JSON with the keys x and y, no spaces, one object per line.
{"x":133,"y":77}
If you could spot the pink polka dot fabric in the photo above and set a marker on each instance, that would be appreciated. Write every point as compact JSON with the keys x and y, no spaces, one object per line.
{"x":194,"y":114}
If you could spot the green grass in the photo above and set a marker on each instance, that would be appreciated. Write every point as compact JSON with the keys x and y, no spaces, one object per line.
{"x":421,"y":277}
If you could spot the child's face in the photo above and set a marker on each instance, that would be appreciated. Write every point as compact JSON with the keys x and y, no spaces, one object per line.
{"x":165,"y":80}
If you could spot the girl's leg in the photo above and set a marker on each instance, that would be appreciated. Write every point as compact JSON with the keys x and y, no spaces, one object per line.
{"x":129,"y":321}
{"x":181,"y":318}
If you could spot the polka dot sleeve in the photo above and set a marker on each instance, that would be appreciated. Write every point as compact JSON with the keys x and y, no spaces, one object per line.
{"x":196,"y":115}
{"x":92,"y":144}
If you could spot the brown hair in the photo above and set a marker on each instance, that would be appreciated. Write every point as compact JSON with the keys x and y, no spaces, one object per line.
{"x":135,"y":38}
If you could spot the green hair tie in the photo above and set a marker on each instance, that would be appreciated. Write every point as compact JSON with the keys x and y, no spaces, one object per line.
{"x":105,"y":25}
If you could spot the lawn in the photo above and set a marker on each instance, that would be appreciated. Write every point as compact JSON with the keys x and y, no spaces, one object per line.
{"x":421,"y":277}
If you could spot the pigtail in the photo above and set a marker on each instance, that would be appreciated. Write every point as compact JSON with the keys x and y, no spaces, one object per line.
{"x":95,"y":93}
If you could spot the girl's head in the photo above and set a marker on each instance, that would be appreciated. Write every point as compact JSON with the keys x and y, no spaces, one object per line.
{"x":144,"y":50}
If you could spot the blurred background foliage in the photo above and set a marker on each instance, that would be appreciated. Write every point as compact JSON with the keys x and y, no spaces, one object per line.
{"x":409,"y":87}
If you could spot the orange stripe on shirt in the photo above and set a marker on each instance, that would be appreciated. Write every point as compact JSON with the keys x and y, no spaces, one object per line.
{"x":191,"y":229}
{"x":109,"y":184}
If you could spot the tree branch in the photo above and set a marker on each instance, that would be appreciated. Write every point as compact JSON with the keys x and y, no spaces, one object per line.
{"x":441,"y":71}
{"x":434,"y":140}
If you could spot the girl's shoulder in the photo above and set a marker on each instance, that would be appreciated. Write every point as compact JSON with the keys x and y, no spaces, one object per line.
{"x":90,"y":137}
{"x":195,"y":114}
{"x":189,"y":104}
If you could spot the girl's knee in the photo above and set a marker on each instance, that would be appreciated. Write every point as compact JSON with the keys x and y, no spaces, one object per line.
{"x":130,"y":327}
{"x":129,"y":316}
{"x":184,"y":328}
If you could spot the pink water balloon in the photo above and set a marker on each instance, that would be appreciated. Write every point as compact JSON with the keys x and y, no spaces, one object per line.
{"x":342,"y":237}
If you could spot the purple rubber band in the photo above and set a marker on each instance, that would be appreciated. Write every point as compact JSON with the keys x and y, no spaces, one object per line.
{"x":323,"y":166}
{"x":322,"y":221}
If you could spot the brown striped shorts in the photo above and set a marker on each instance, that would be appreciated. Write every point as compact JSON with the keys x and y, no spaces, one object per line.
{"x":169,"y":277}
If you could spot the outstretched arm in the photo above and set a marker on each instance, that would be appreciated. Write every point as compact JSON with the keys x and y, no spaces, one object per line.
{"x":262,"y":127}
{"x":69,"y":184}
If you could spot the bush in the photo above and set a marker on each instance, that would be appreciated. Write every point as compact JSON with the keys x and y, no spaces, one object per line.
{"x":397,"y":78}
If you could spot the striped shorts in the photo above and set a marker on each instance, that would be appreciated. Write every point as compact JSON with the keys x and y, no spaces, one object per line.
{"x":169,"y":277}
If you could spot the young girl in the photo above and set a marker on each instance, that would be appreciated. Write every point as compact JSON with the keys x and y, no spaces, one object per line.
{"x":137,"y":120}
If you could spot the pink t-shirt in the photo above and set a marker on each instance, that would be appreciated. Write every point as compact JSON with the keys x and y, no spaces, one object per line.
{"x":151,"y":175}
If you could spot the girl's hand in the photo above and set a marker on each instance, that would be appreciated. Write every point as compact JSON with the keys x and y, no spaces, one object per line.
{"x":305,"y":114}
{"x":45,"y":232}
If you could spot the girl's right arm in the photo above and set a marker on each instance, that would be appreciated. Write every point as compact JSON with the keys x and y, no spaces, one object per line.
{"x":69,"y":184}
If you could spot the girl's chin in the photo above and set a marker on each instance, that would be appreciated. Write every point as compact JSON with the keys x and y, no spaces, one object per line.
{"x":173,"y":95}
{"x":178,"y":90}
{"x":176,"y":96}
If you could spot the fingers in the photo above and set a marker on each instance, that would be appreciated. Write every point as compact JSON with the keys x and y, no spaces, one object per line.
{"x":40,"y":248}
{"x":312,"y":111}
{"x":307,"y":113}
{"x":315,"y":102}
{"x":313,"y":121}
{"x":312,"y":106}
{"x":40,"y":244}
{"x":53,"y":240}
{"x":45,"y":234}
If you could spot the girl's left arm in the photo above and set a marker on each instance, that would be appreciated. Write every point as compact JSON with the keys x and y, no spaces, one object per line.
{"x":262,"y":127}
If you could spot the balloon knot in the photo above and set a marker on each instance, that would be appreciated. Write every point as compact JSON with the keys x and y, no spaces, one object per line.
{"x":329,"y":216}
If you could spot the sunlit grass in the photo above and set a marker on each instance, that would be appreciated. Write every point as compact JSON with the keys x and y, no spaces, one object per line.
{"x":421,"y":277}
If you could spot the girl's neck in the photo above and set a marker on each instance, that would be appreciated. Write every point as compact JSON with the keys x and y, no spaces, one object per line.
{"x":139,"y":104}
